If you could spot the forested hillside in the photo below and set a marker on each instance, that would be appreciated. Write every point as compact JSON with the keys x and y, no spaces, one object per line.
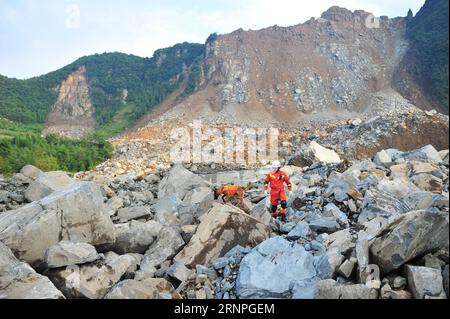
{"x":122,"y":87}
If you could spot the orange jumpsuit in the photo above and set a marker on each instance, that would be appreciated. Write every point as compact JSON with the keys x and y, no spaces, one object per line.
{"x":276,"y":181}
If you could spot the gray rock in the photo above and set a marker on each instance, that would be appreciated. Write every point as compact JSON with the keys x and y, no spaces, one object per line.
{"x":130,"y":213}
{"x":152,"y":179}
{"x":200,"y":201}
{"x":382,"y":159}
{"x":379,"y":203}
{"x":269,"y":270}
{"x":431,"y":261}
{"x":410,"y":236}
{"x":167,"y":210}
{"x":324,"y":225}
{"x":31,"y":171}
{"x":20,"y":179}
{"x":4,"y":196}
{"x":332,"y":210}
{"x":188,"y":231}
{"x":425,"y":283}
{"x":346,"y":269}
{"x":261,"y":213}
{"x":446,"y":280}
{"x":400,"y":283}
{"x":47,"y":183}
{"x":305,"y":289}
{"x":327,"y":265}
{"x":301,"y":230}
{"x":179,"y":272}
{"x":287,"y":227}
{"x":19,"y":281}
{"x":69,"y":253}
{"x":169,"y":243}
{"x":135,"y":237}
{"x":93,"y":281}
{"x":425,"y":154}
{"x":341,"y":240}
{"x":330,"y":289}
{"x":76,"y":213}
{"x":132,"y":289}
{"x":180,"y":181}
{"x":220,"y":263}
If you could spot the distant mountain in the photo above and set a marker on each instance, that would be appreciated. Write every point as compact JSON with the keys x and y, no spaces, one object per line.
{"x":107,"y":92}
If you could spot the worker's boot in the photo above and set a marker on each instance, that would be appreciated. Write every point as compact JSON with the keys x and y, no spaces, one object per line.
{"x":283,"y":215}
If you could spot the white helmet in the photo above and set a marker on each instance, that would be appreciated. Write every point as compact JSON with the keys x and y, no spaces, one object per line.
{"x":276,"y":164}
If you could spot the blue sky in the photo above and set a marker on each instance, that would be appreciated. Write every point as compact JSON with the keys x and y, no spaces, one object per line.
{"x":39,"y":36}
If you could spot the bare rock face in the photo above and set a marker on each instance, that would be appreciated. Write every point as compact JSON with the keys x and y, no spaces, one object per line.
{"x":335,"y":62}
{"x":75,"y":213}
{"x":221,"y":229}
{"x":73,"y":113}
{"x":19,"y":281}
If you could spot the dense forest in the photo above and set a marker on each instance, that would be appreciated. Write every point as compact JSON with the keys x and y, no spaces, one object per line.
{"x":22,"y":144}
{"x":428,"y":33}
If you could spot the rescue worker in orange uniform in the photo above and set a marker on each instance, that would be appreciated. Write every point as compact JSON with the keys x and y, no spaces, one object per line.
{"x":276,"y":181}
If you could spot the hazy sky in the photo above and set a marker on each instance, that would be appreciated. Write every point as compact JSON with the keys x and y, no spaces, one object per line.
{"x":39,"y":36}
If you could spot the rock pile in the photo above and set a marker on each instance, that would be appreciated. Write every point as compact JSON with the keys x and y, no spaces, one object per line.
{"x":366,"y":229}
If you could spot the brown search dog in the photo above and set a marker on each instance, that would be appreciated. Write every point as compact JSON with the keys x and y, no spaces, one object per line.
{"x":232,"y":194}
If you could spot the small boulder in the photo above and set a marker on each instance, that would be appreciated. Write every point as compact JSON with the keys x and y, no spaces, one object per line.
{"x":425,"y":283}
{"x":69,"y":253}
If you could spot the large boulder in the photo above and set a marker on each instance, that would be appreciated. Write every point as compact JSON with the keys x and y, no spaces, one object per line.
{"x":19,"y":281}
{"x":428,"y":182}
{"x":180,"y":181}
{"x":425,"y":154}
{"x":271,"y":268}
{"x":69,"y":253}
{"x":169,"y":243}
{"x":261,"y":212}
{"x":411,"y":235}
{"x":47,"y":183}
{"x":222,"y":228}
{"x":76,"y":213}
{"x":93,"y":281}
{"x":321,"y":154}
{"x":30,"y":171}
{"x":135,"y":236}
{"x":167,"y":210}
{"x":425,"y":283}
